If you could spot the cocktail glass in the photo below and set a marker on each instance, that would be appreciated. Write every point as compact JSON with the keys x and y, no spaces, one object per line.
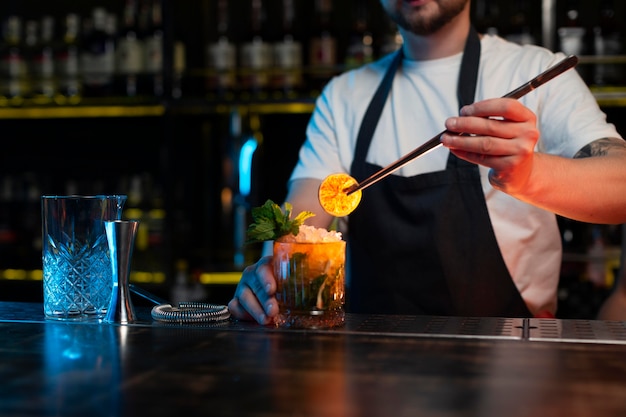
{"x":310,"y":283}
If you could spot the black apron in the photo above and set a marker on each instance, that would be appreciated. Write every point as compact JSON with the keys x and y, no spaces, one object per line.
{"x":425,"y":244}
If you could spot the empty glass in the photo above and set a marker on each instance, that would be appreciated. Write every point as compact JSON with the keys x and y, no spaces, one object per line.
{"x":77,"y":274}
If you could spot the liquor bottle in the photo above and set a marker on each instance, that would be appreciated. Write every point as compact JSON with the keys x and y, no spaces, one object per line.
{"x":153,"y":48}
{"x":136,"y":209}
{"x":572,"y":33}
{"x":221,"y":58}
{"x":247,"y":148}
{"x":154,"y":218}
{"x":9,"y":227}
{"x":520,"y":32}
{"x":181,"y":289}
{"x":45,"y":84}
{"x":130,"y":52}
{"x":596,"y":270}
{"x":67,"y":60}
{"x":391,"y":40}
{"x":361,"y":44}
{"x":30,"y":239}
{"x":12,"y":63}
{"x":487,"y":17}
{"x":98,"y":54}
{"x":287,"y":75}
{"x":255,"y":56}
{"x":236,"y":205}
{"x":322,"y":48}
{"x":179,"y":66}
{"x":30,"y":51}
{"x":607,"y":42}
{"x":186,"y":288}
{"x":111,"y":31}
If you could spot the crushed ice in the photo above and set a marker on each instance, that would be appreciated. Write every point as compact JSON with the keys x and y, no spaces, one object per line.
{"x":311,"y":234}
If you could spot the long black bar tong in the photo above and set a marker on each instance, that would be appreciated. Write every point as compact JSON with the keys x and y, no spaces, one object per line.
{"x":435,"y":142}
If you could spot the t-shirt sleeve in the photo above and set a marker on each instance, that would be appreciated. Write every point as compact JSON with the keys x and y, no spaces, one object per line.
{"x":569,"y":116}
{"x":319,"y":155}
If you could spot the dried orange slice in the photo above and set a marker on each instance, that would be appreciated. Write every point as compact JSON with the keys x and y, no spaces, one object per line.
{"x":333,"y":197}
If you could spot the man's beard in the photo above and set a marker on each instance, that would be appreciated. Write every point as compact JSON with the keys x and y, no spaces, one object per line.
{"x":427,"y":25}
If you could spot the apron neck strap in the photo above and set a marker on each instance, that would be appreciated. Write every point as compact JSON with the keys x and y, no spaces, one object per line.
{"x":466,"y":90}
{"x":468,"y":76}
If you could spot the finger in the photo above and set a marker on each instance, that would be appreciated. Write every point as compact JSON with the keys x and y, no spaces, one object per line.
{"x":237,"y":311}
{"x":499,"y":108}
{"x":479,"y":145}
{"x":254,"y":296}
{"x":479,"y":158}
{"x":262,"y":279}
{"x":266,"y":290}
{"x":481,"y":126}
{"x":246,"y":305}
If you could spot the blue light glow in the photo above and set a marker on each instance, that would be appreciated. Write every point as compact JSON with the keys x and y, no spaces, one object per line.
{"x":245,"y":165}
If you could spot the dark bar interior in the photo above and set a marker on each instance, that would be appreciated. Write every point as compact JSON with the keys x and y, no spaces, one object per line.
{"x":195,"y":146}
{"x":174,"y":153}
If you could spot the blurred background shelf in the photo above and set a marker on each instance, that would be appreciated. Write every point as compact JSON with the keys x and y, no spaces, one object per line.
{"x":170,"y":137}
{"x":83,"y":111}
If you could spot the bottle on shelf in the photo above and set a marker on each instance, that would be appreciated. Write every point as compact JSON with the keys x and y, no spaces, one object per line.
{"x":322,"y":48}
{"x":145,"y":204}
{"x":391,"y":40}
{"x":572,"y":34}
{"x":136,"y":209}
{"x":487,"y":17}
{"x":45,"y":84}
{"x":255,"y":56}
{"x":29,"y":243}
{"x":221,"y":57}
{"x":596,"y":271}
{"x":30,"y":51}
{"x":67,"y":59}
{"x":12,"y":61}
{"x":242,"y":153}
{"x":181,"y":289}
{"x":153,"y":48}
{"x":135,"y":205}
{"x":179,"y":66}
{"x":287,"y":74}
{"x":130,"y":52}
{"x":519,"y":27}
{"x":607,"y":42}
{"x":98,"y":54}
{"x":186,"y":287}
{"x":361,"y":44}
{"x":10,"y":233}
{"x":38,"y":57}
{"x":228,"y":187}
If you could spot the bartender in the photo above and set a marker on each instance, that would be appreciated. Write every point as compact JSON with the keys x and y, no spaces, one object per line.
{"x":470,"y":228}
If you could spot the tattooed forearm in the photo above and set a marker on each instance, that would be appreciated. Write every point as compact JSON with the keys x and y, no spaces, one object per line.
{"x":601,"y":147}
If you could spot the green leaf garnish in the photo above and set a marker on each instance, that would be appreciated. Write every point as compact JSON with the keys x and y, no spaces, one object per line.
{"x":270,"y":221}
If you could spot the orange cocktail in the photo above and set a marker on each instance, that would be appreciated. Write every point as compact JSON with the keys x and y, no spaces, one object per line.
{"x":310,"y":282}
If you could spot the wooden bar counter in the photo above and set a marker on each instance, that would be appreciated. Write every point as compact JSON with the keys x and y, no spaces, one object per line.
{"x":387,"y":366}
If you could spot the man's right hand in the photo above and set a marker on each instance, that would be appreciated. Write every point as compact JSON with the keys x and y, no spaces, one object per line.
{"x":255,"y":295}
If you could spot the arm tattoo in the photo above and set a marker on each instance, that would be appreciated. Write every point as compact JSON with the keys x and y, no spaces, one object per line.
{"x":600,"y":147}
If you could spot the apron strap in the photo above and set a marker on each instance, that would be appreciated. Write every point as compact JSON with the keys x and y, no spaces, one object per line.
{"x":373,"y":112}
{"x":466,"y":90}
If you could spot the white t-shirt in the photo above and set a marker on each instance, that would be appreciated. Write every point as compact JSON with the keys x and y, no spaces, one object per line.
{"x":423,"y":95}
